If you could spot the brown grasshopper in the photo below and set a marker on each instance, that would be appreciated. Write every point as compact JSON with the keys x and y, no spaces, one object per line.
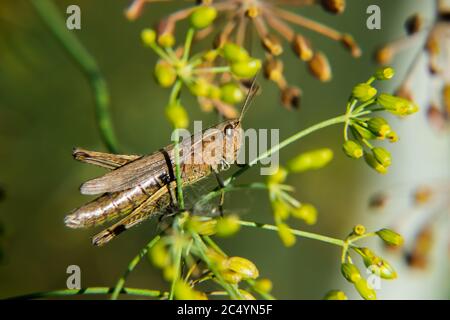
{"x":140,"y":186}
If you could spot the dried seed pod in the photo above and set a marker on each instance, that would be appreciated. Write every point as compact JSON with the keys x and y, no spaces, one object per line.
{"x":290,"y":97}
{"x":384,"y":55}
{"x":302,"y":47}
{"x":350,"y":43}
{"x":272,"y":45}
{"x":320,"y":67}
{"x":414,"y":23}
{"x":422,"y":195}
{"x":334,"y":6}
{"x":404,"y":92}
{"x":273,"y":70}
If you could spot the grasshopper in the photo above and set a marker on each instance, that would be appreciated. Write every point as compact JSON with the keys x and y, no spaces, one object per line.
{"x":138,"y":187}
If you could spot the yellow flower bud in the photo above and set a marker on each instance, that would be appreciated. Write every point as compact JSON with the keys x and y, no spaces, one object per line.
{"x":379,"y":127}
{"x":280,"y":210}
{"x":376,"y":265}
{"x":306,"y":212}
{"x":286,"y":235}
{"x":263,"y":285}
{"x":246,"y":69}
{"x":384,"y":73}
{"x":353,"y":149}
{"x":396,"y":105}
{"x":359,"y":230}
{"x":165,"y":74}
{"x":158,"y":255}
{"x":203,"y":16}
{"x":364,"y":92}
{"x":278,"y":176}
{"x":350,"y":272}
{"x":201,"y":226}
{"x":373,"y":163}
{"x":166,"y":40}
{"x":231,"y":93}
{"x":177,"y":115}
{"x":364,"y":290}
{"x":390,"y":237}
{"x":200,"y":87}
{"x":184,"y":292}
{"x":315,"y":159}
{"x":382,"y":156}
{"x":169,"y":272}
{"x":148,"y":37}
{"x":234,"y":53}
{"x":244,"y":267}
{"x":231,"y":276}
{"x":335,"y":295}
{"x":392,"y":136}
{"x":227,"y":226}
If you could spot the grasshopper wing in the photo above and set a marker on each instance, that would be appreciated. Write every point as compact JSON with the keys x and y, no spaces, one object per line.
{"x":130,"y":175}
{"x":101,"y":159}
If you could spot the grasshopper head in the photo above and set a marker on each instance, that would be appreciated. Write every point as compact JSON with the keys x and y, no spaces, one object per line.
{"x":222,"y":143}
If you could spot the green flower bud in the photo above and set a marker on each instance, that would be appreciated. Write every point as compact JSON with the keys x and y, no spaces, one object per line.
{"x":364,"y":290}
{"x":246,"y":69}
{"x":396,"y":105}
{"x":306,"y":212}
{"x":350,"y":272}
{"x":227,"y":226}
{"x":379,"y":127}
{"x":177,"y":115}
{"x":244,"y":267}
{"x":335,"y":295}
{"x":373,"y":163}
{"x":166,"y":40}
{"x":382,"y":156}
{"x":363,"y":132}
{"x":315,"y":159}
{"x":286,"y":235}
{"x":353,"y":149}
{"x":384,"y":73}
{"x":280,"y":210}
{"x":390,"y":237}
{"x":263,"y":285}
{"x":203,"y":16}
{"x":148,"y":37}
{"x":231,"y":93}
{"x":278,"y":176}
{"x":165,"y":74}
{"x":234,"y":53}
{"x":364,"y":92}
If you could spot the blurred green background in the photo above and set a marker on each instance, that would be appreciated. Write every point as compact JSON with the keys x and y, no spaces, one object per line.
{"x":46,"y":108}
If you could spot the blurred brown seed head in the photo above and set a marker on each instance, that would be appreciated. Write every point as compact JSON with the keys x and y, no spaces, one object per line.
{"x":334,"y":6}
{"x":272,"y":45}
{"x":350,"y":44}
{"x":320,"y":67}
{"x":414,"y":24}
{"x":384,"y":55}
{"x":302,"y":47}
{"x":290,"y":97}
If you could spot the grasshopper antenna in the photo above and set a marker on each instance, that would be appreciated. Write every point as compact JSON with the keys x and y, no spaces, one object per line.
{"x":254,"y":88}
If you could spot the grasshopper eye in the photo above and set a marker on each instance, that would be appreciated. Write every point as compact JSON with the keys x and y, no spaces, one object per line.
{"x":228,"y":130}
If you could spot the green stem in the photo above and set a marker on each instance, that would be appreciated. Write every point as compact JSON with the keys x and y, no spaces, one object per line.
{"x":212,"y":70}
{"x":85,"y":61}
{"x":119,"y":286}
{"x":91,"y":291}
{"x":187,"y":44}
{"x":177,"y":259}
{"x":286,"y":142}
{"x":304,"y":234}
